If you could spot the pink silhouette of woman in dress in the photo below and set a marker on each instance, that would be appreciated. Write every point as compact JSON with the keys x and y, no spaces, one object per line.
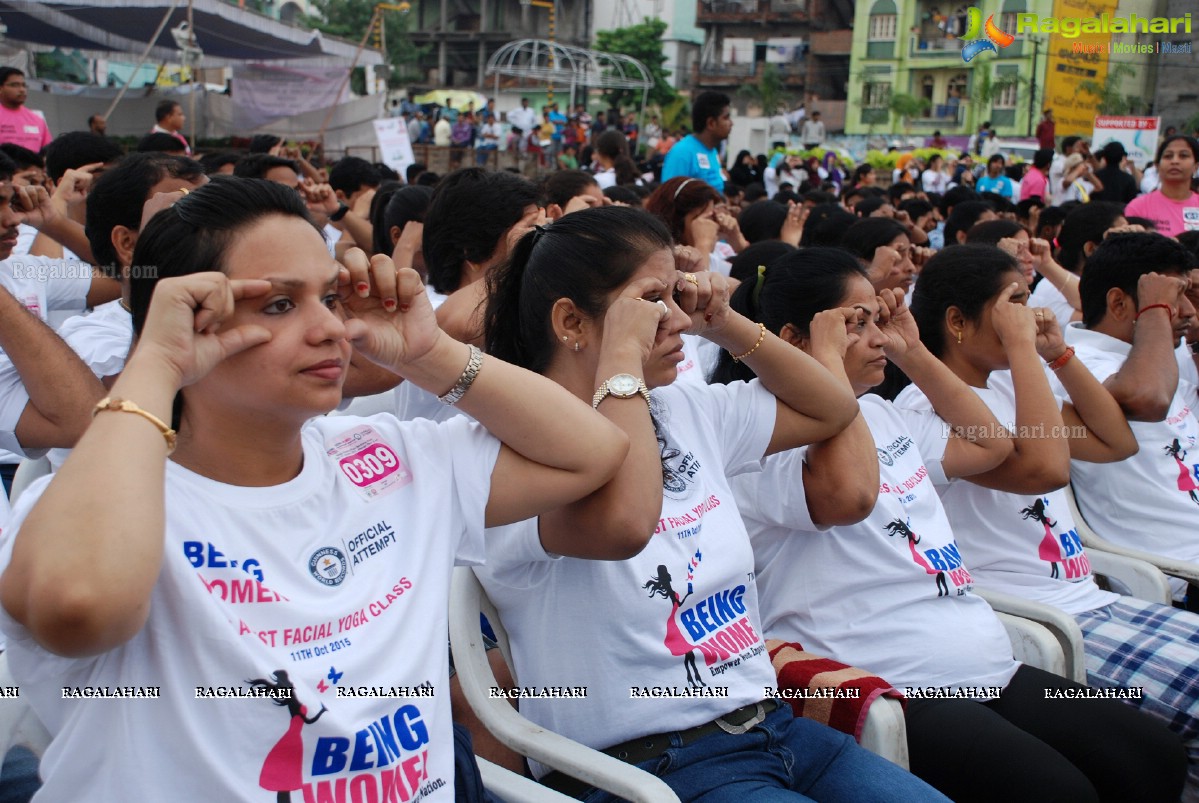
{"x":282,"y":771}
{"x":1049,"y":550}
{"x":675,"y":641}
{"x":897,"y":527}
{"x":1186,"y":481}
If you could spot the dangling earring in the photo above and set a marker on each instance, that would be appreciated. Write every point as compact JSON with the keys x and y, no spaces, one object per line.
{"x":959,"y":337}
{"x":577,"y":346}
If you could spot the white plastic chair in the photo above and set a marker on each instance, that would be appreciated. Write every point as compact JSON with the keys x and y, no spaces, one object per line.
{"x":1096,"y":543}
{"x":1041,"y":635}
{"x":19,"y":726}
{"x":602,"y":771}
{"x":27,"y":471}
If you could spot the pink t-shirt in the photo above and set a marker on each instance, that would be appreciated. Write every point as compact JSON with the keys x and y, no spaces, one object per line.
{"x":1171,"y":217}
{"x":23,"y":127}
{"x":1033,"y":186}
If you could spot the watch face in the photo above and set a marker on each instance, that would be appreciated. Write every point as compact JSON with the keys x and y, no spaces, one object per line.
{"x":623,"y":385}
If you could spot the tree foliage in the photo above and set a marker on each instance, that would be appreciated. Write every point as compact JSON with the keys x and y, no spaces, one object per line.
{"x":768,"y":91}
{"x":644,"y":43}
{"x":905,"y":107}
{"x":1111,"y":99}
{"x":349,"y":19}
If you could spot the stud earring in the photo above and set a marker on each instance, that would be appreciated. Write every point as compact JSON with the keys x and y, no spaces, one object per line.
{"x":564,"y":338}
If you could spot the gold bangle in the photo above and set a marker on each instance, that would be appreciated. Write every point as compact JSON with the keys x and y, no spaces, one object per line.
{"x":125,"y":406}
{"x":761,"y":337}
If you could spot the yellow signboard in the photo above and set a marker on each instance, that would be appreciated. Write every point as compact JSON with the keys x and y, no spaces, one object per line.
{"x":1073,"y":61}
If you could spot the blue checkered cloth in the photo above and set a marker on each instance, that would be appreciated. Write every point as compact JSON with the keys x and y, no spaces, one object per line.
{"x":1132,"y":643}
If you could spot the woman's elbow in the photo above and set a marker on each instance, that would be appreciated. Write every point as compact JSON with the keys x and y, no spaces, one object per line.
{"x":76,"y":625}
{"x":847,"y":508}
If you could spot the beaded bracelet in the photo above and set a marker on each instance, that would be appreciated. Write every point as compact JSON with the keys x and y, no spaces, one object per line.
{"x":761,"y":337}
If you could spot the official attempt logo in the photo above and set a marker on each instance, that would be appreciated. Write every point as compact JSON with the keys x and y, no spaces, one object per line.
{"x":328,"y":565}
{"x":994,"y":39}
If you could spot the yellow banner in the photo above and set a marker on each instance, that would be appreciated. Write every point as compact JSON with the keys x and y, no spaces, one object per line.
{"x":1071,"y":62}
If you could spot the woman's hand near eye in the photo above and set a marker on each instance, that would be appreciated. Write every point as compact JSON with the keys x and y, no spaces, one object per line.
{"x":897,"y":323}
{"x":830,"y":336}
{"x":632,"y":321}
{"x":1050,"y":343}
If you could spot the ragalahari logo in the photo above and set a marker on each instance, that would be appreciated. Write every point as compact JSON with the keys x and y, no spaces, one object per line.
{"x":975,"y":27}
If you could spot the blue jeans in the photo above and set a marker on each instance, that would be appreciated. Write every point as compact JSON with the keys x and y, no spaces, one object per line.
{"x":782,"y":759}
{"x":19,"y":780}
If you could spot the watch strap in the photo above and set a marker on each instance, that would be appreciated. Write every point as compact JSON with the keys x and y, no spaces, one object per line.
{"x":605,"y":390}
{"x":342,"y":211}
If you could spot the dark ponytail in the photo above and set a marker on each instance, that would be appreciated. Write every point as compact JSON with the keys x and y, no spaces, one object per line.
{"x":583,"y":256}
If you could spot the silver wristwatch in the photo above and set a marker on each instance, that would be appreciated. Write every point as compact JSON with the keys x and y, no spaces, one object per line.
{"x":622,"y":386}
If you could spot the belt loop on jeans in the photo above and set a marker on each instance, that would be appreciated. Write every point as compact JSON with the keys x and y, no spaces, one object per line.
{"x":644,"y":748}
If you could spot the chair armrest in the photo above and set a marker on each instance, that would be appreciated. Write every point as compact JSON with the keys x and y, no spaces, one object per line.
{"x":513,"y":788}
{"x":1033,"y":644}
{"x":523,"y":736}
{"x":885,"y":733}
{"x":1059,"y":623}
{"x":1143,"y":580}
{"x":1092,"y":540}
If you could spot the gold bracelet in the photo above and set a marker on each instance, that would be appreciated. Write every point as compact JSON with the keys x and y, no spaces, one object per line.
{"x":761,"y":337}
{"x":125,"y":406}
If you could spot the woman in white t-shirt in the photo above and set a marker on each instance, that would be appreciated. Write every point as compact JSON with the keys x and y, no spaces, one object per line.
{"x":667,"y":642}
{"x":275,"y":542}
{"x":865,"y":568}
{"x":934,"y":179}
{"x":1014,"y":523}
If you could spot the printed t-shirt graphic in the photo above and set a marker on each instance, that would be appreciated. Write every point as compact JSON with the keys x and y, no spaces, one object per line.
{"x":891,"y":594}
{"x":325,"y":586}
{"x":1007,"y":539}
{"x":680,"y":617}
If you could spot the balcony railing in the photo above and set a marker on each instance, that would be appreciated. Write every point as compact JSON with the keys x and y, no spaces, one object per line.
{"x":751,"y":10}
{"x":935,"y":46}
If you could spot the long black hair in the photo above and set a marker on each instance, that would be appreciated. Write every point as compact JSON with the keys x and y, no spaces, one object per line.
{"x":583,"y":256}
{"x":962,"y":276}
{"x":790,"y":290}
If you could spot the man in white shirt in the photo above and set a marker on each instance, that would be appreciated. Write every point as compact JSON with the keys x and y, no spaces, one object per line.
{"x":46,"y":392}
{"x":1135,"y":310}
{"x":813,"y":132}
{"x":524,"y":118}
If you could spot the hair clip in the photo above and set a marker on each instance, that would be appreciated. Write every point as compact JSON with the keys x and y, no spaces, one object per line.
{"x":757,"y":292}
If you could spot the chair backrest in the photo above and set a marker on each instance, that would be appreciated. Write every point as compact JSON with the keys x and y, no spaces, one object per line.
{"x":27,"y":471}
{"x":1094,"y":541}
{"x":467,"y":599}
{"x":18,"y":724}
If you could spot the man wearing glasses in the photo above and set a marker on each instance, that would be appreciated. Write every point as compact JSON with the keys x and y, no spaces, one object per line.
{"x":18,"y":124}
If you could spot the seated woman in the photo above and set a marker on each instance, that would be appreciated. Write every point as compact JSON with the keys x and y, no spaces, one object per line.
{"x":668,"y":641}
{"x":688,"y":207}
{"x":884,"y":248}
{"x":277,"y":555}
{"x":1014,"y":522}
{"x":884,"y":585}
{"x":1034,"y":255}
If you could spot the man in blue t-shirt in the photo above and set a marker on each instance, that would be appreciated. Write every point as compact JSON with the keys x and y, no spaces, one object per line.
{"x":697,"y":155}
{"x":995,"y":181}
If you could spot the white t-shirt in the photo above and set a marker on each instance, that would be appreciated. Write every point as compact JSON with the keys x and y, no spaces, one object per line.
{"x":1149,"y":501}
{"x":700,"y":356}
{"x":43,"y":285}
{"x":102,"y":340}
{"x":1017,"y":543}
{"x":934,"y":181}
{"x":47,"y":284}
{"x":339,"y":577}
{"x":869,"y":595}
{"x":686,"y":607}
{"x":1048,"y":296}
{"x":606,"y":178}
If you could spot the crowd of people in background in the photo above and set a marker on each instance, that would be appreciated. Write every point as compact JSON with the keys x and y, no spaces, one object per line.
{"x":668,"y":404}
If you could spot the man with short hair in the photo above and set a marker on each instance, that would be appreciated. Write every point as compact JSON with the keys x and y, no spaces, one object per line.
{"x":1118,"y":186}
{"x":995,"y":181}
{"x":170,"y":120}
{"x":17,"y":123}
{"x":698,"y":154}
{"x":1045,"y":130}
{"x":1036,"y":181}
{"x":1135,"y":311}
{"x":524,"y":118}
{"x":813,"y":132}
{"x":97,"y":124}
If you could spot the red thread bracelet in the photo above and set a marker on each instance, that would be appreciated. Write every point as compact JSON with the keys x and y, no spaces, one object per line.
{"x":1062,"y":359}
{"x":1143,"y":310}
